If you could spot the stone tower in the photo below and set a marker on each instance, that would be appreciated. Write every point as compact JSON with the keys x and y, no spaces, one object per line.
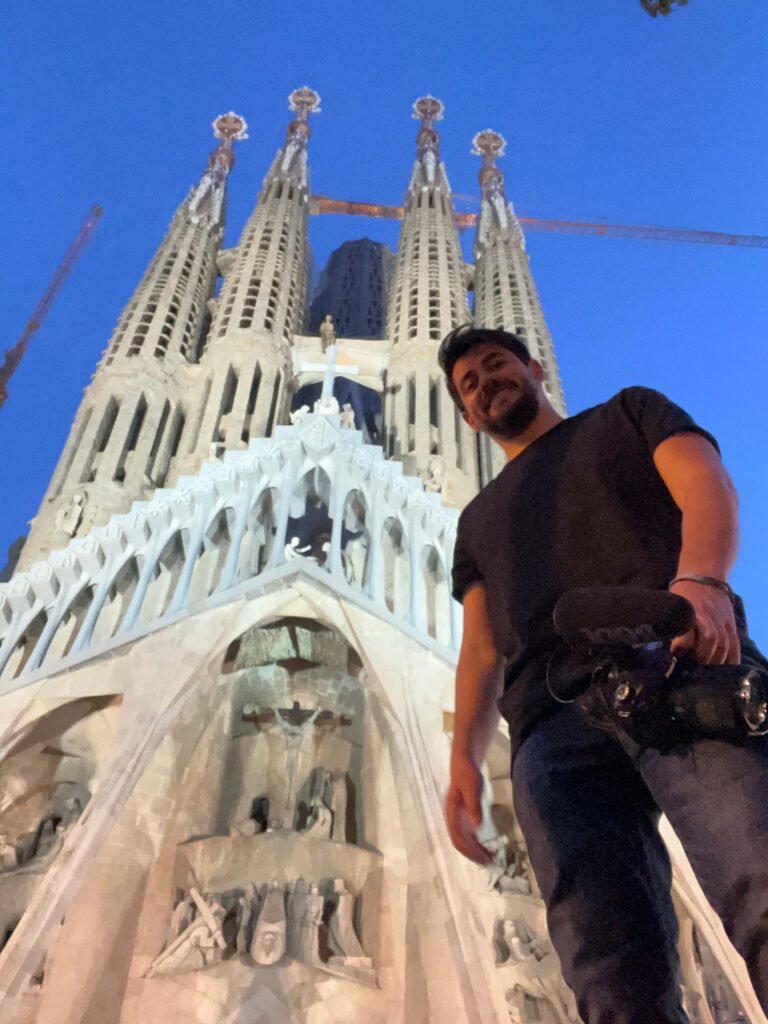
{"x":127,"y":428}
{"x":428,"y":298}
{"x":226,"y":712}
{"x":505,"y":292}
{"x":241,"y":379}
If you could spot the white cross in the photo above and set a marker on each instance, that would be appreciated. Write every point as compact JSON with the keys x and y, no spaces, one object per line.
{"x":329,"y":371}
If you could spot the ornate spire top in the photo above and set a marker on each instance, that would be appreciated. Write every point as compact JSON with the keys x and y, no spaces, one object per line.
{"x":496,"y":212}
{"x":303,"y":102}
{"x":208,"y":198}
{"x":427,"y":109}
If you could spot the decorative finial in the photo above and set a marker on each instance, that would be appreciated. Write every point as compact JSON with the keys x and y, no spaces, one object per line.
{"x":427,"y":108}
{"x":304,"y":101}
{"x":489,"y":143}
{"x":230,"y":126}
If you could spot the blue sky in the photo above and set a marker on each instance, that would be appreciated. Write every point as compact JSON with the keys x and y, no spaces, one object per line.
{"x":608,"y":113}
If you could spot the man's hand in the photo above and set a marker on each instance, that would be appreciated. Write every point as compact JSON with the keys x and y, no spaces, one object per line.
{"x":713,"y":640}
{"x":463,"y":810}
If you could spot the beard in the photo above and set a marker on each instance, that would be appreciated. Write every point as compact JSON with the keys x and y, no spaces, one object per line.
{"x":517,"y":416}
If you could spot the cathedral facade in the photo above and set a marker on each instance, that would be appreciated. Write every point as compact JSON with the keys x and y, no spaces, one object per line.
{"x":227,"y":655}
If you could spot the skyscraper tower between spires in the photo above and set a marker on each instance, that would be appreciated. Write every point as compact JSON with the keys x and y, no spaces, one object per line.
{"x":128,"y":424}
{"x":243,"y":372}
{"x":428,"y":298}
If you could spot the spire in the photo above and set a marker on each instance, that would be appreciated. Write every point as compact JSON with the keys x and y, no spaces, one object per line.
{"x":128,"y":425}
{"x":427,"y":174}
{"x":207,"y":200}
{"x":262,"y":305}
{"x":427,"y":299}
{"x":497,"y":215}
{"x":505,"y":292}
{"x":291,"y":160}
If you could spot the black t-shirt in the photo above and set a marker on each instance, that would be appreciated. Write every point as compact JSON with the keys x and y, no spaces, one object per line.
{"x":583,"y":505}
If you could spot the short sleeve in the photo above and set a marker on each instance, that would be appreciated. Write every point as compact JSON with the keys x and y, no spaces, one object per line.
{"x":657,"y":418}
{"x":465,"y":572}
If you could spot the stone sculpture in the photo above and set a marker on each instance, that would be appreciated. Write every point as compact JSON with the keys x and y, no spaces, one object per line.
{"x":309,"y":944}
{"x":435,"y":479}
{"x":347,"y":417}
{"x":199,"y":945}
{"x":269,"y":936}
{"x":183,"y":914}
{"x":70,"y":516}
{"x":342,"y":938}
{"x":9,"y":857}
{"x":327,"y":333}
{"x":320,"y":820}
{"x":298,"y":414}
{"x":249,"y":908}
{"x":297,"y":906}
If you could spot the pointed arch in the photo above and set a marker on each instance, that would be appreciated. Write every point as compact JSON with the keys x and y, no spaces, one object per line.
{"x":69,"y":626}
{"x":437,"y":594}
{"x":116,"y":601}
{"x":356,"y":539}
{"x":259,"y":536}
{"x":166,"y":573}
{"x":211,"y":556}
{"x":24,"y":646}
{"x":395,"y":566}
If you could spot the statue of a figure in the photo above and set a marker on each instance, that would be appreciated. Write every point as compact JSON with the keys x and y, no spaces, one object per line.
{"x":249,"y":908}
{"x":436,"y":470}
{"x":347,"y":417}
{"x":342,"y":937}
{"x":297,"y":908}
{"x":327,"y":406}
{"x":298,"y":414}
{"x":9,"y":857}
{"x":310,"y":925}
{"x":320,"y":820}
{"x":69,"y":518}
{"x":269,"y":936}
{"x":199,"y":945}
{"x":327,"y":332}
{"x":183,"y":914}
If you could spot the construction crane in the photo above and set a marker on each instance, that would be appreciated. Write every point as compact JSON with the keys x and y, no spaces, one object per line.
{"x":13,"y":356}
{"x":324,"y":204}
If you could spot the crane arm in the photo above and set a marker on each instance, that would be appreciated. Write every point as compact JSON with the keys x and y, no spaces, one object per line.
{"x":324,"y":204}
{"x":13,"y":356}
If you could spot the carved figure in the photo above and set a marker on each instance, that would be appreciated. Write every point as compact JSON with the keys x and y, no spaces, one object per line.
{"x":347,"y":416}
{"x":292,"y":549}
{"x":9,"y":857}
{"x":69,"y":518}
{"x":199,"y":945}
{"x":320,"y":821}
{"x":310,"y":925}
{"x":327,"y":406}
{"x":297,"y":907}
{"x":269,"y":936}
{"x":436,"y":470}
{"x":341,"y":929}
{"x":327,"y":332}
{"x":298,"y":414}
{"x":249,"y":908}
{"x":183,"y":914}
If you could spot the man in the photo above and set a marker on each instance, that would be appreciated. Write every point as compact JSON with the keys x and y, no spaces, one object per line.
{"x":631,"y":492}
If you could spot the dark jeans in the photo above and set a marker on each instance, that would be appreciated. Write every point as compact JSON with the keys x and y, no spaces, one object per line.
{"x":588,"y":800}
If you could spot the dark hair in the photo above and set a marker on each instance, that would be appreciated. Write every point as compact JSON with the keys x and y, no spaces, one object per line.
{"x":461,"y":339}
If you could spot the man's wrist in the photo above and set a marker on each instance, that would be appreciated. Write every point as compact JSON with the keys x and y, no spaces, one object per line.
{"x":705,"y":581}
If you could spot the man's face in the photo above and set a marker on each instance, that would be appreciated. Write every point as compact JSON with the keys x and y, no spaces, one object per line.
{"x":500,"y":394}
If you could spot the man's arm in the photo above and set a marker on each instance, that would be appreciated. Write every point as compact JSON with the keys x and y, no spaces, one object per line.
{"x":479,"y":683}
{"x":703,"y":491}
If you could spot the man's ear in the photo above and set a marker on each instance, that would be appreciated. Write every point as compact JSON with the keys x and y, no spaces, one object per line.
{"x":469,"y":421}
{"x":537,"y":370}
